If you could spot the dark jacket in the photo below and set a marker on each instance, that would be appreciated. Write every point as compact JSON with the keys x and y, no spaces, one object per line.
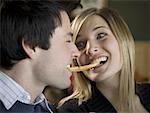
{"x":99,"y":104}
{"x":19,"y":107}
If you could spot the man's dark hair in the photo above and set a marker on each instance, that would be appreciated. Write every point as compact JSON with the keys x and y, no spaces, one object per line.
{"x":70,"y":5}
{"x":30,"y":21}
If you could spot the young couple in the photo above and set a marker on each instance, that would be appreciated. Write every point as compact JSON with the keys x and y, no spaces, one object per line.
{"x":36,"y":47}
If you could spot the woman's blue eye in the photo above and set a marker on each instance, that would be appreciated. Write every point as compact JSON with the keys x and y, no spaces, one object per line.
{"x":101,"y":35}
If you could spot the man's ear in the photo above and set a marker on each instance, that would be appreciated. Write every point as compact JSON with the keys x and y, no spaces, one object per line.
{"x":29,"y":51}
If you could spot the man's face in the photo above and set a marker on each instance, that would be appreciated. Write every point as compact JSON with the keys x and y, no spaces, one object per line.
{"x":51,"y":65}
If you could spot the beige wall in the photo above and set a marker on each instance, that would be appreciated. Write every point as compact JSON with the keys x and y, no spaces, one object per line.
{"x":88,"y":4}
{"x":143,"y":59}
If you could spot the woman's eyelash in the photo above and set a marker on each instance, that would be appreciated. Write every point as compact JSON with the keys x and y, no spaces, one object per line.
{"x":101,"y":35}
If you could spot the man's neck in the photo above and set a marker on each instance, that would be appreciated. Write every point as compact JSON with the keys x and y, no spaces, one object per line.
{"x":22,"y":75}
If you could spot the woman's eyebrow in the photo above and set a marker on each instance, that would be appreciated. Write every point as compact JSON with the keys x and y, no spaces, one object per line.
{"x":98,"y":27}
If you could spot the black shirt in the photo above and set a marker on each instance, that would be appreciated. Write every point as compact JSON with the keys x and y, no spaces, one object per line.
{"x":99,"y":104}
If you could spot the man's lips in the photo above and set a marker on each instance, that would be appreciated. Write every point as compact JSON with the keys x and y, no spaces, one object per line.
{"x":71,"y":77}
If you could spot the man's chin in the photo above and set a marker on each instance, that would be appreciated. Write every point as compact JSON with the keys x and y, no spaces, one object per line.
{"x":65,"y":85}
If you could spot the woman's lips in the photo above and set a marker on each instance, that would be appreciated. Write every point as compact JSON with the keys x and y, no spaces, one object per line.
{"x":102,"y":62}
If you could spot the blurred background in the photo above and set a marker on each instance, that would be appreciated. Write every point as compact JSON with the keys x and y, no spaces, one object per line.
{"x":136,"y":13}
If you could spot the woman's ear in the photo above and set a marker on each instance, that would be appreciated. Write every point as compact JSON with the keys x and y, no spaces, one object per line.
{"x":29,"y":51}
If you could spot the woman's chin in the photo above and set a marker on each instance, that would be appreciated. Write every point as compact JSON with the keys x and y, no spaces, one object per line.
{"x":91,"y":75}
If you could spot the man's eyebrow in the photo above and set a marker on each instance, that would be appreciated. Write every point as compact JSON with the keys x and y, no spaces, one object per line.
{"x":98,"y":27}
{"x":70,"y":34}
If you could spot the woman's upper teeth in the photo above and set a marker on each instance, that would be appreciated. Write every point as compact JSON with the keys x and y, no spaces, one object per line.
{"x":100,"y":59}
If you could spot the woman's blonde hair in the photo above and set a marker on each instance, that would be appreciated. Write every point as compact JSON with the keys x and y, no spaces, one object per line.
{"x":81,"y":85}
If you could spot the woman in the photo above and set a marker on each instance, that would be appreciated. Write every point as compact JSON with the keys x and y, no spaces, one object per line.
{"x":102,"y":36}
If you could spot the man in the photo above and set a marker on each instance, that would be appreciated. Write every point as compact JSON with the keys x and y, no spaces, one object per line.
{"x":36,"y":47}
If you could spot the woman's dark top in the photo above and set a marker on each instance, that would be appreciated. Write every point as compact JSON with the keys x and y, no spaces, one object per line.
{"x":99,"y":104}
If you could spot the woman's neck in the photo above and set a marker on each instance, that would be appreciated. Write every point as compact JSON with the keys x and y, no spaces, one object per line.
{"x":110,"y":89}
{"x":110,"y":84}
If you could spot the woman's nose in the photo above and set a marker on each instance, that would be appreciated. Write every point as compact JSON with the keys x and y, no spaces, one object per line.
{"x":91,"y":49}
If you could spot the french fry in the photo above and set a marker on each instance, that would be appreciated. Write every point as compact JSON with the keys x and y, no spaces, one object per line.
{"x":82,"y":68}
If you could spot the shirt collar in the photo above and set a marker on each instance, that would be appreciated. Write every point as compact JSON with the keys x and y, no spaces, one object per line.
{"x":10,"y":92}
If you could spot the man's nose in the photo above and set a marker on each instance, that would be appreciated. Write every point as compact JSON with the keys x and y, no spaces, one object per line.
{"x":76,"y":53}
